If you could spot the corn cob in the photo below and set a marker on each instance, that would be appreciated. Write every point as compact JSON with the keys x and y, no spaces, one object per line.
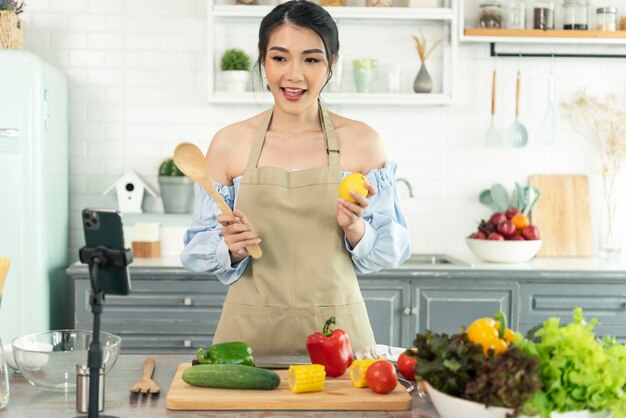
{"x":358,"y":370}
{"x":306,"y":378}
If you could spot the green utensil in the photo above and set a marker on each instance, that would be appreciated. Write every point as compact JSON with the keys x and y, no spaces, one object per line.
{"x":500,"y":197}
{"x":485,"y":198}
{"x":517,"y":135}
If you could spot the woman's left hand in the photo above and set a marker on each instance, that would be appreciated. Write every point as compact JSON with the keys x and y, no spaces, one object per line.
{"x":350,"y":215}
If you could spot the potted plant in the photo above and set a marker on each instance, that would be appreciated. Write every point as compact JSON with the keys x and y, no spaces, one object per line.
{"x":11,"y":27}
{"x":176,"y":188}
{"x":235,"y":67}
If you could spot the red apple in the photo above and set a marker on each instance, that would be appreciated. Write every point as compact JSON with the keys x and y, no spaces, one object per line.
{"x":506,"y":228}
{"x":495,"y":237}
{"x":511,"y":212}
{"x":497,"y":218}
{"x":478,"y":235}
{"x":516,"y":237}
{"x":531,"y":232}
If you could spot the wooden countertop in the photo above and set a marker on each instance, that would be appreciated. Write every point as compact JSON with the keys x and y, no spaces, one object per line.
{"x":27,"y":401}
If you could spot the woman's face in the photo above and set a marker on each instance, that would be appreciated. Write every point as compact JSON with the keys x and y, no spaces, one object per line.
{"x":295,"y":66}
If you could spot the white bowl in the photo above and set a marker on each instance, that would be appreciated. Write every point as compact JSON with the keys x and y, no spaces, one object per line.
{"x":48,"y":359}
{"x":504,"y":251}
{"x":452,"y":407}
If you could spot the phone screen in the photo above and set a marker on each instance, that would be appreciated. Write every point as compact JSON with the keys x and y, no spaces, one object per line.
{"x":104,"y":228}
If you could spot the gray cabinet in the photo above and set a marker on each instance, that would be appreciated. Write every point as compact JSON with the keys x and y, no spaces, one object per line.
{"x":605,"y":301}
{"x":388,"y":307}
{"x":445,"y":305}
{"x":159,"y":316}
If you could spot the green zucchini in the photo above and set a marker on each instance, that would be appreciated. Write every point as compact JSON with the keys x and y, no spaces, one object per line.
{"x":231,"y":376}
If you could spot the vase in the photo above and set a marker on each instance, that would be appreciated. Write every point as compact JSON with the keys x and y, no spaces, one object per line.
{"x":610,"y":234}
{"x":4,"y":372}
{"x":423,"y":83}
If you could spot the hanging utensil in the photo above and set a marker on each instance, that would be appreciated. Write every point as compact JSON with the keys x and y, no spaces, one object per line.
{"x":517,"y":135}
{"x":548,"y":130}
{"x":494,"y":139}
{"x":190,"y":160}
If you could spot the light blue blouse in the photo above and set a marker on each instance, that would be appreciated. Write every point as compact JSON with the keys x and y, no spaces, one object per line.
{"x":385,"y":243}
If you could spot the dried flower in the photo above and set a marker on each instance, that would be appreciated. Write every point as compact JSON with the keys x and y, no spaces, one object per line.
{"x":421,"y":44}
{"x":603,"y":125}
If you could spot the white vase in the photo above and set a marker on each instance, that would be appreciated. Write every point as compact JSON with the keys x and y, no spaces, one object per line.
{"x":236,"y":81}
{"x":611,"y":223}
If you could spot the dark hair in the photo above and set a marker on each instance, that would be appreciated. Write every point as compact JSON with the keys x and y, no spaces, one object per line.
{"x":304,"y":14}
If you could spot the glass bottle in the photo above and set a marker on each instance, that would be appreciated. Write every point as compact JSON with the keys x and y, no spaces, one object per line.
{"x":490,"y":15}
{"x":543,"y":15}
{"x":516,"y":15}
{"x":606,"y":19}
{"x":575,"y":15}
{"x":4,"y":379}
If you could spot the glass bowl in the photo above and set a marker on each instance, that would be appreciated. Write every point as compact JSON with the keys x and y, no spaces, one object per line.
{"x":48,"y":359}
{"x":504,"y":251}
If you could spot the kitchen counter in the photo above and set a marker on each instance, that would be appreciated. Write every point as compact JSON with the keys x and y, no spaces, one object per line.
{"x":27,"y":401}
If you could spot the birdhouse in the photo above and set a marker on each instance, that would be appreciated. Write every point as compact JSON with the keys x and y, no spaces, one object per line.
{"x":130,"y":188}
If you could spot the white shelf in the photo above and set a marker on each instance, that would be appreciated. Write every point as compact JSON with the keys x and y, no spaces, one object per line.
{"x":370,"y":13}
{"x":381,"y":19}
{"x":342,"y":98}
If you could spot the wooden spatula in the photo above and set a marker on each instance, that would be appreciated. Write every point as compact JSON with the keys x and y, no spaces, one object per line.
{"x":146,"y":384}
{"x":190,"y":160}
{"x":5,"y":263}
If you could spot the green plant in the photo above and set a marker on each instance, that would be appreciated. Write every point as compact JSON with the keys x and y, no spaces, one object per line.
{"x":169,"y":169}
{"x":235,"y":60}
{"x":11,"y":5}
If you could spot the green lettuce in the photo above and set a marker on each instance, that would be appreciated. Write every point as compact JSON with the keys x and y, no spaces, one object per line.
{"x":578,"y":370}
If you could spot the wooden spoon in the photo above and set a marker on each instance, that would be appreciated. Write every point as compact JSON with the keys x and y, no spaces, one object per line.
{"x":5,"y":263}
{"x":190,"y":160}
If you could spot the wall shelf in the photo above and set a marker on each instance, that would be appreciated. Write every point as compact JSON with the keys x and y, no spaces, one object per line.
{"x":544,"y":36}
{"x":227,"y":22}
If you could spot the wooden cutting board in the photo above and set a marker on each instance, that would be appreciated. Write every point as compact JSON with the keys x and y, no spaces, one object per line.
{"x":563,"y":215}
{"x":338,"y":394}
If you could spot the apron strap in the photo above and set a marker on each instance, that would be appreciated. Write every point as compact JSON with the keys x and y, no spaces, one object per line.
{"x":259,"y":139}
{"x":332,"y":146}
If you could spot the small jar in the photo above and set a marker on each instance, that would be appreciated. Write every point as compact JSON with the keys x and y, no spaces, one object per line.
{"x":606,"y":19}
{"x":543,"y":15}
{"x":516,"y":15}
{"x":575,"y":15}
{"x":490,"y":15}
{"x":622,"y":25}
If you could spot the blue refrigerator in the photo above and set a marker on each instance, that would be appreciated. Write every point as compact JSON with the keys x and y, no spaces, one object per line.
{"x":33,"y":195}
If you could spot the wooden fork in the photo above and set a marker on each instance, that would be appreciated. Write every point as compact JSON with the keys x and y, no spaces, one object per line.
{"x":146,"y":384}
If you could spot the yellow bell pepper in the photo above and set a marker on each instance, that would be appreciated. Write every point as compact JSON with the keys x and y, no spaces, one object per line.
{"x":491,"y":333}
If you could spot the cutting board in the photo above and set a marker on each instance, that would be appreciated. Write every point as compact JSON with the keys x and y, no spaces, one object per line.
{"x":338,"y":394}
{"x":562,"y":215}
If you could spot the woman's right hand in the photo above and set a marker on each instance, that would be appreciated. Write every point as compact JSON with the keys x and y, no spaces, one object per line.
{"x":238,"y":233}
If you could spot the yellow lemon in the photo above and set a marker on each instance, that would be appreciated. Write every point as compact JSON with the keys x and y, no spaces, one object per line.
{"x":354,"y":181}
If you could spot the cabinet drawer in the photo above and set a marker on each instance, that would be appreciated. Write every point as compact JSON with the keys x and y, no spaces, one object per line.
{"x":607,"y":302}
{"x":157,"y":300}
{"x":158,"y":337}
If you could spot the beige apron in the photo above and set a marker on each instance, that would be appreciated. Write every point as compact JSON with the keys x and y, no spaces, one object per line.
{"x":305,"y":274}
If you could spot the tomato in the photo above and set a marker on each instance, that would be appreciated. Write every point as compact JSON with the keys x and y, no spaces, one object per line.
{"x":406,"y":366}
{"x":381,"y":377}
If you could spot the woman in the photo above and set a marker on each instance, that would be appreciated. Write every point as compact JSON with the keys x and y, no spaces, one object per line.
{"x":281,"y":170}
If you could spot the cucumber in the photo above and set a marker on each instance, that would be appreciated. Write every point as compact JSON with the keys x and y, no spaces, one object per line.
{"x":231,"y":376}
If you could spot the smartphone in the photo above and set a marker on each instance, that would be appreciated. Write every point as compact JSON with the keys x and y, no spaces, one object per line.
{"x":103,"y":228}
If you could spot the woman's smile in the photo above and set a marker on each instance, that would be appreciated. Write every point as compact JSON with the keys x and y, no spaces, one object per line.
{"x":293,"y":94}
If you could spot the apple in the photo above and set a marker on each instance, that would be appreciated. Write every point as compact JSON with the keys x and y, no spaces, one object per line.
{"x":478,"y":235}
{"x":531,"y":232}
{"x":511,"y":212}
{"x":516,"y":237}
{"x":506,"y":228}
{"x":495,"y":237}
{"x":497,"y":218}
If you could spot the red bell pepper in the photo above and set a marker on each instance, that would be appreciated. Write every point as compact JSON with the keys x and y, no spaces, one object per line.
{"x":331,"y":349}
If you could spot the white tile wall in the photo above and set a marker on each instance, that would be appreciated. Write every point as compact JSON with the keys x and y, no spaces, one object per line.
{"x":137,"y":76}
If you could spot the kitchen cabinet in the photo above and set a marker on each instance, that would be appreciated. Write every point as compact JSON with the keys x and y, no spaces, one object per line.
{"x":388,"y":305}
{"x":602,"y":300}
{"x":383,"y":33}
{"x":444,"y":306}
